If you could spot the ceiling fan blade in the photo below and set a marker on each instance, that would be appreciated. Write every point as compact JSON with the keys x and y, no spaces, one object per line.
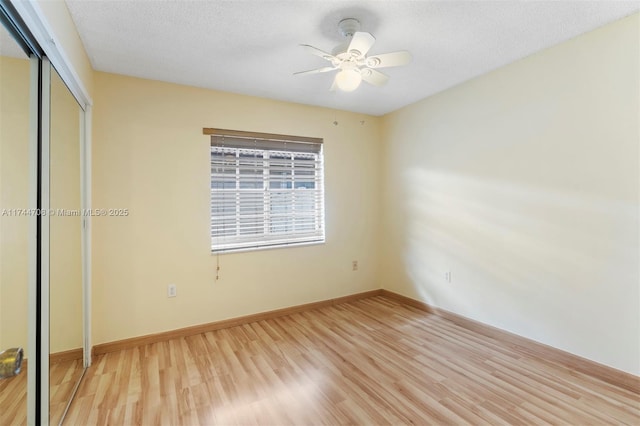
{"x":316,"y":71}
{"x":334,"y":86}
{"x":318,"y":52}
{"x":394,"y":59}
{"x":361,"y":42}
{"x":374,"y":77}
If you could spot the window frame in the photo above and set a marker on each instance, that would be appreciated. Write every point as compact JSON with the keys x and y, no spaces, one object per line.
{"x":267,"y":149}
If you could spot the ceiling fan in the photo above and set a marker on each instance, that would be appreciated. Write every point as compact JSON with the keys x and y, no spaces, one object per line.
{"x":351,"y":61}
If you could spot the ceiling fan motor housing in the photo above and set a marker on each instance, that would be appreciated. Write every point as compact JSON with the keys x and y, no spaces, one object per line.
{"x":348,"y":27}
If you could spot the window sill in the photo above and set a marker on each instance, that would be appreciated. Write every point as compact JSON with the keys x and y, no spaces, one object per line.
{"x":274,"y":247}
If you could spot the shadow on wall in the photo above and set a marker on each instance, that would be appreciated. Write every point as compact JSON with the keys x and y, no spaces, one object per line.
{"x":521,"y":255}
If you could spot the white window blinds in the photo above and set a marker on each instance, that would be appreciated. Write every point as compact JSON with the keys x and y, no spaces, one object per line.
{"x":266,"y":190}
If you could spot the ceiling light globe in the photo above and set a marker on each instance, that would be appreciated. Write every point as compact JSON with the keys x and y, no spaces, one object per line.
{"x":348,"y":80}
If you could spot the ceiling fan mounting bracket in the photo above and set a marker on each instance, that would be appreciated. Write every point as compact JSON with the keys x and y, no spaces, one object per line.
{"x":348,"y":27}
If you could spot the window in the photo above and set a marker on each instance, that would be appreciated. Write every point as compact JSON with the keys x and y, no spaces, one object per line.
{"x":266,"y":190}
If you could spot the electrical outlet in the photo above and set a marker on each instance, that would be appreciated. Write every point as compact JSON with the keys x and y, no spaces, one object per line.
{"x":447,"y":276}
{"x":354,"y":265}
{"x":171,"y":290}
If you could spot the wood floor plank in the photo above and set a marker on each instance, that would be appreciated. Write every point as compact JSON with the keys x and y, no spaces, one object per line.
{"x":370,"y":361}
{"x":63,"y":376}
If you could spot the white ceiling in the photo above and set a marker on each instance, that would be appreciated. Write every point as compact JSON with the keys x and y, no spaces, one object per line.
{"x":252,"y":46}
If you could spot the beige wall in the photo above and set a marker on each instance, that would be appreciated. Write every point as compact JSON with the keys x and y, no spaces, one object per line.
{"x":149,"y":156}
{"x":524,"y":184}
{"x":14,"y":184}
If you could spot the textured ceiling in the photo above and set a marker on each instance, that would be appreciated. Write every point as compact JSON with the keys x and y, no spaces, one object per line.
{"x":252,"y":46}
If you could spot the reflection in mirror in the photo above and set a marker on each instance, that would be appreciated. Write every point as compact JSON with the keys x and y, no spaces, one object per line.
{"x":14,"y":222}
{"x":65,"y":256}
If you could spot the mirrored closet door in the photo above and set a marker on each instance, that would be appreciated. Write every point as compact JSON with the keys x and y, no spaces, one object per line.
{"x":43,"y":240}
{"x":16,"y":184}
{"x":65,"y":248}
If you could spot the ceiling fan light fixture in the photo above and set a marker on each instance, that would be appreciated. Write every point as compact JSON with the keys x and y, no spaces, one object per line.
{"x":348,"y":80}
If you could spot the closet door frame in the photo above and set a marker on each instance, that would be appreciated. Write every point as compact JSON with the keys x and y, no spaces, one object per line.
{"x":44,"y":229}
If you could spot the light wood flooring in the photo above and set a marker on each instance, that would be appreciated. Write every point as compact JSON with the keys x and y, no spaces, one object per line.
{"x":13,"y":399}
{"x":372,"y":361}
{"x":63,"y":377}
